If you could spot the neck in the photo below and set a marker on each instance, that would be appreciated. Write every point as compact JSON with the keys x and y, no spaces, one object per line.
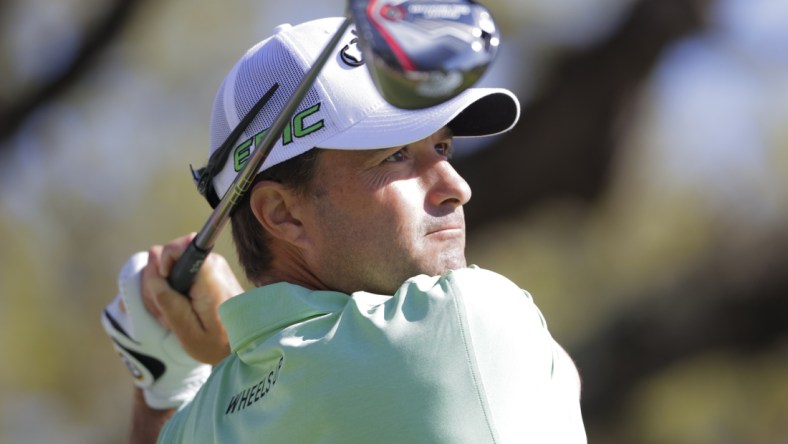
{"x":289,"y":265}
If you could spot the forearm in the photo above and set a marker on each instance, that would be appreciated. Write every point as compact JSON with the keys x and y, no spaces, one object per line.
{"x":147,"y":422}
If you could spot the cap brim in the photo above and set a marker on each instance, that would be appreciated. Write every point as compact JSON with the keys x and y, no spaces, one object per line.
{"x":475,"y":112}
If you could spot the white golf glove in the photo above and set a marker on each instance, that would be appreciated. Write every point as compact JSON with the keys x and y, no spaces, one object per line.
{"x":154,"y":356}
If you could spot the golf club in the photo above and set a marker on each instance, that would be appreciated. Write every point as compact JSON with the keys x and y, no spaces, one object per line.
{"x":419,"y":54}
{"x":423,"y":53}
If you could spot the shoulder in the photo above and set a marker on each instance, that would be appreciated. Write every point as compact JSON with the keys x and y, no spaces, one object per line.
{"x":472,"y":281}
{"x":475,"y":279}
{"x":488,"y":300}
{"x":472,"y":292}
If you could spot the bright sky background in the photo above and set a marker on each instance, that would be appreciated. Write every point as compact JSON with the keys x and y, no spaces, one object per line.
{"x":721,"y":102}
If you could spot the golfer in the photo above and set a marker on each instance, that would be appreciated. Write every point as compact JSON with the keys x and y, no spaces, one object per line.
{"x":366,"y":324}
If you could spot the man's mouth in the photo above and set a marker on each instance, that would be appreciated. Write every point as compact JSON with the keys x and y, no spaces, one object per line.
{"x":447,"y":230}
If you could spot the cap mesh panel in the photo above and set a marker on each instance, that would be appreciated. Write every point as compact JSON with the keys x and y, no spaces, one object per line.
{"x":256,"y":73}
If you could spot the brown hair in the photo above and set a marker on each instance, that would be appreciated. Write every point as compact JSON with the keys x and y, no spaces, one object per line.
{"x":250,"y":238}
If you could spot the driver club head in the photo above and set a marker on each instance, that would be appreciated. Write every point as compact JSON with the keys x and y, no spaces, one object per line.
{"x":421,"y":53}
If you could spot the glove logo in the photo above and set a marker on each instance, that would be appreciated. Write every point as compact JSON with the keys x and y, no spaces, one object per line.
{"x":145,"y":369}
{"x":133,"y":369}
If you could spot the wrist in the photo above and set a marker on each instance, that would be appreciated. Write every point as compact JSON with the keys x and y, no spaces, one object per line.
{"x":147,"y":421}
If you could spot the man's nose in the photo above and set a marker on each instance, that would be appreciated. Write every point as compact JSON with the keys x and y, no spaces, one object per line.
{"x":447,"y":187}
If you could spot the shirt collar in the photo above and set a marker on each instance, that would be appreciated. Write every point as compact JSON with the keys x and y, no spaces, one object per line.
{"x":263,"y":311}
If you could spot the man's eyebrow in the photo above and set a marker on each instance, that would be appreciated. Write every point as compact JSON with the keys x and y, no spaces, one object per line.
{"x":443,"y":133}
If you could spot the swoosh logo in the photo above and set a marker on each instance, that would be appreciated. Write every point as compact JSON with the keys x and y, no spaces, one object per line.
{"x":350,"y":54}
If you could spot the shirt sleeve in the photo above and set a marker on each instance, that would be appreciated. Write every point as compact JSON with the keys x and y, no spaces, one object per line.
{"x":529,"y":384}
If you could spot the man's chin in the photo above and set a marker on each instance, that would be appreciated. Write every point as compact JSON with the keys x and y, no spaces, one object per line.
{"x":446,"y":263}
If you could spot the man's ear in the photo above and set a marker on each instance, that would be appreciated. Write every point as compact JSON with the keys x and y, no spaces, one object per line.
{"x":273,"y":204}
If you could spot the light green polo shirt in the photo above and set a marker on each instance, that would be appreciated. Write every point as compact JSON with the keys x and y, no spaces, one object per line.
{"x":460,"y":358}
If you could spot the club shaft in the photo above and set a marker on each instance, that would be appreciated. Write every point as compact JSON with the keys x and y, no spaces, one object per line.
{"x":186,"y":268}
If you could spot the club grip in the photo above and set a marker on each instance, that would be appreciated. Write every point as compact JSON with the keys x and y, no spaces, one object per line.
{"x":186,"y":268}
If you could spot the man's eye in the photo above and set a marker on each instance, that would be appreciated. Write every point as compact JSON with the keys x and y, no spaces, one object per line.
{"x":444,"y":149}
{"x":399,"y":156}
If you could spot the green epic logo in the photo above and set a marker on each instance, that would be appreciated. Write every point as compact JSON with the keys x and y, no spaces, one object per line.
{"x":294,"y":130}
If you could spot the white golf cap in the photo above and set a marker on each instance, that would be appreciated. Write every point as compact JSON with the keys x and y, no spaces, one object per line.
{"x":342,"y":110}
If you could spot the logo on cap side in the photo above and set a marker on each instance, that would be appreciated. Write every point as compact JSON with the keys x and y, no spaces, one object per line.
{"x":297,"y":128}
{"x":351,"y":54}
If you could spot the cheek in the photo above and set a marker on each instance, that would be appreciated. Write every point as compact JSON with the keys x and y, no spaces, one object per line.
{"x":372,"y":215}
{"x":407,"y":219}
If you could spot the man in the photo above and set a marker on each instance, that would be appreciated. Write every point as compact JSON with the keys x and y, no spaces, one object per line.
{"x":367,"y":325}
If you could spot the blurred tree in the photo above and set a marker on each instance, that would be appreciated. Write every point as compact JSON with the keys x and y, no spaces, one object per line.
{"x":97,"y":37}
{"x":735,"y":298}
{"x":567,"y":136}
